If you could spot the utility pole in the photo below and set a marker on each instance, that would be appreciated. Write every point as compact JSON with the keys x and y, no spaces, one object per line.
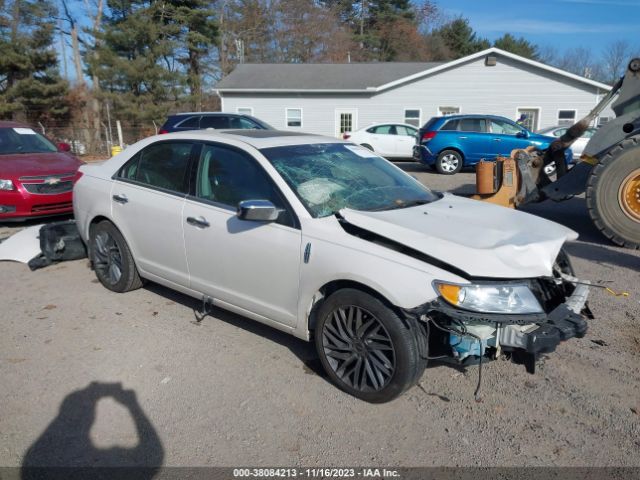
{"x":362,"y":9}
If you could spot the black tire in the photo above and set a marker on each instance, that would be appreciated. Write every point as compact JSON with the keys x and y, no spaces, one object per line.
{"x":110,"y":254}
{"x":449,"y":162}
{"x":366,"y":145}
{"x":612,"y":215}
{"x":372,"y":356}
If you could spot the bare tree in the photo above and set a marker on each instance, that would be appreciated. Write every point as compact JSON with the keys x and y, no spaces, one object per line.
{"x":615,"y":58}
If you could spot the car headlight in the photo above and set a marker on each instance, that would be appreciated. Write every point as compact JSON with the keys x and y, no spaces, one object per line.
{"x":6,"y":185}
{"x":488,"y":298}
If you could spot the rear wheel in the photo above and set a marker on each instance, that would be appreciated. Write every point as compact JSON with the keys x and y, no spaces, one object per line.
{"x":449,"y":162}
{"x":112,"y":259}
{"x":365,"y":348}
{"x":613,"y":194}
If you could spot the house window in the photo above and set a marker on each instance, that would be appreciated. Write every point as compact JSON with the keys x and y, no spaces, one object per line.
{"x":245,"y":110}
{"x":412,"y":117}
{"x":603,"y":120}
{"x":444,"y":111}
{"x":566,"y":117}
{"x":346,"y":122}
{"x":294,"y":117}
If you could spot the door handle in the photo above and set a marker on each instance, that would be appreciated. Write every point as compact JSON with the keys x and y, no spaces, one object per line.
{"x":497,"y":139}
{"x":121,"y":198}
{"x":463,"y":138}
{"x":198,"y":222}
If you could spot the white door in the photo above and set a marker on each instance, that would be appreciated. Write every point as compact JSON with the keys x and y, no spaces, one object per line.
{"x":531,"y":120}
{"x":346,"y":120}
{"x":248,"y":264}
{"x":147,"y":199}
{"x":383,"y":139}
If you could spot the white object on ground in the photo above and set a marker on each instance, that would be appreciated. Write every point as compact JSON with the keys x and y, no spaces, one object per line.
{"x":21,"y":246}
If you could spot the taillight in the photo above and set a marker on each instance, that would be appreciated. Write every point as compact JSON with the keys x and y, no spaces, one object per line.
{"x":163,"y":131}
{"x":427,"y":136}
{"x":77,"y":177}
{"x":346,"y":136}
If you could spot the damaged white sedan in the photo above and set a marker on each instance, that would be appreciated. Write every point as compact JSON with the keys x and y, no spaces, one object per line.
{"x":327,"y":241}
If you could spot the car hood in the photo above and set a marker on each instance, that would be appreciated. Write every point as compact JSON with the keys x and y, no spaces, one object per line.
{"x":30,"y":164}
{"x":480,"y":239}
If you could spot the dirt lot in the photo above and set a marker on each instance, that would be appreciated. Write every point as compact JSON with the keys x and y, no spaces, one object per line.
{"x":232,"y":392}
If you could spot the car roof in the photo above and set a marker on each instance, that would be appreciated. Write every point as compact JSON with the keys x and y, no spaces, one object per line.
{"x":388,"y":123}
{"x":10,"y":124}
{"x":472,"y":115}
{"x":216,"y":114}
{"x":256,"y":138}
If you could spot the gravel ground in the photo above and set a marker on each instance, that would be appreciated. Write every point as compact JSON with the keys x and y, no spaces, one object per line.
{"x":89,"y":375}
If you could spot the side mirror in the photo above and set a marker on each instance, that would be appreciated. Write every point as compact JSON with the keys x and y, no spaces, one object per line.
{"x":64,"y":147}
{"x":257,"y":211}
{"x":522,"y":134}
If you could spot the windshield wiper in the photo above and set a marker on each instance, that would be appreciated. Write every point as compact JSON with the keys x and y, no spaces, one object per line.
{"x":404,"y":204}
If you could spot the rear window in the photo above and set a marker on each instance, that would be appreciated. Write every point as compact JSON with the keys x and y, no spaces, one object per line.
{"x":429,"y":125}
{"x":472,"y":125}
{"x":191,"y":122}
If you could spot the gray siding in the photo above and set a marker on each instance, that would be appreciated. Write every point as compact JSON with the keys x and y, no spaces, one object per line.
{"x":473,"y":87}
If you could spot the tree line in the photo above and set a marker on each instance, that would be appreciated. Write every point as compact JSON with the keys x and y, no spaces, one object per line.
{"x":141,"y":59}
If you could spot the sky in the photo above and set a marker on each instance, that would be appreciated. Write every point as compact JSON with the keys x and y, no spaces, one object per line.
{"x":560,"y":24}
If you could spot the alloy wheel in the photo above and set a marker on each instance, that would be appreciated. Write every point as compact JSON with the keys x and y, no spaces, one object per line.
{"x":449,"y":162}
{"x":107,"y":257}
{"x":358,"y":348}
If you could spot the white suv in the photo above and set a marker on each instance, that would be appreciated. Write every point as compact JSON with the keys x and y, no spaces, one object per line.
{"x":325,"y":240}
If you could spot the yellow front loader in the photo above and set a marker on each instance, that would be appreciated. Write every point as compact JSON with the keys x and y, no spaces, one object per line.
{"x":608,"y":171}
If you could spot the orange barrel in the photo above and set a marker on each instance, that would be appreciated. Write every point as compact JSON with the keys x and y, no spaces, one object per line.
{"x":485,"y":177}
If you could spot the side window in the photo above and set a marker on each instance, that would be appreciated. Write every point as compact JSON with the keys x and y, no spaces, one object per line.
{"x":505,"y":128}
{"x":406,"y":131}
{"x":130,"y":169}
{"x":385,"y":130}
{"x":450,"y":125}
{"x":228,"y":177}
{"x":161,"y":165}
{"x":191,"y":122}
{"x":214,"y":121}
{"x":472,"y":125}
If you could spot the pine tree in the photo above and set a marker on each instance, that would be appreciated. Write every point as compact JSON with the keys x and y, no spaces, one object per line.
{"x":135,"y":60}
{"x":30,"y":85}
{"x":519,"y":46}
{"x":459,"y":39}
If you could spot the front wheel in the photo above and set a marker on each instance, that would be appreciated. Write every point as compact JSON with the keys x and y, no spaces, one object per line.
{"x":365,"y":348}
{"x":449,"y":162}
{"x":613,"y":194}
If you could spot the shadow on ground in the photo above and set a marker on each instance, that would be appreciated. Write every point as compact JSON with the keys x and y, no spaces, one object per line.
{"x":305,"y":351}
{"x":65,"y":449}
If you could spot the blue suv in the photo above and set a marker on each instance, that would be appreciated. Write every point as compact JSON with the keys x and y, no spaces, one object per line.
{"x":454,"y":141}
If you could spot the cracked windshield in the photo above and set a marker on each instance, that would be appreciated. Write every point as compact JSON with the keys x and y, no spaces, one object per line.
{"x":331,"y":176}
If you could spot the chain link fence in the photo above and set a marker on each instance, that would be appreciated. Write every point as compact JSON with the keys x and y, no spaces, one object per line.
{"x":95,"y":142}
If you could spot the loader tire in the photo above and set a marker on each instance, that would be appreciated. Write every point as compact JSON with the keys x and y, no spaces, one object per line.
{"x":613,"y":194}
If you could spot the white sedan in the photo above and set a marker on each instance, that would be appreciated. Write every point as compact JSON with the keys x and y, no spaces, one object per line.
{"x":329,"y":242}
{"x":578,"y":146}
{"x":390,"y":140}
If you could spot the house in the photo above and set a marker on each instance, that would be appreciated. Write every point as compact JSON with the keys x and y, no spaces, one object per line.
{"x":330,"y":99}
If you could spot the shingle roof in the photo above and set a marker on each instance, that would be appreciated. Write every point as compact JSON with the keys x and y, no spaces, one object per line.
{"x":319,"y":76}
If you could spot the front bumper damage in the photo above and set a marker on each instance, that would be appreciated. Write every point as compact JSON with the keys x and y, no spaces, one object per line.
{"x":524,"y":338}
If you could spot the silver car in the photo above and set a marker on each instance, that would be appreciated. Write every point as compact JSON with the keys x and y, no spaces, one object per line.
{"x":327,"y":241}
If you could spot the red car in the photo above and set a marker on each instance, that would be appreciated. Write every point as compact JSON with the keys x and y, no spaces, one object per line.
{"x":36,"y":176}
